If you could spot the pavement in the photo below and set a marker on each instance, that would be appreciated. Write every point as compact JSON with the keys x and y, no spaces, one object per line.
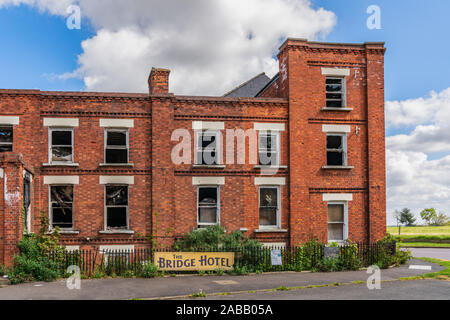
{"x":120,"y":288}
{"x":437,"y":253}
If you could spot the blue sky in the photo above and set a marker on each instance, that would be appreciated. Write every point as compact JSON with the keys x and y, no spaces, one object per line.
{"x":119,"y":41}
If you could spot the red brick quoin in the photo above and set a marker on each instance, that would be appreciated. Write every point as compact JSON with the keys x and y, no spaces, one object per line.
{"x":162,"y":196}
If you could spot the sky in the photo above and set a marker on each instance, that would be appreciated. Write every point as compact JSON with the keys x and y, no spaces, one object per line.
{"x":212,"y":46}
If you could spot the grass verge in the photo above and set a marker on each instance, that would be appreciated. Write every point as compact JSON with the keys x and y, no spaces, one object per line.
{"x":439,"y":275}
{"x":423,"y":244}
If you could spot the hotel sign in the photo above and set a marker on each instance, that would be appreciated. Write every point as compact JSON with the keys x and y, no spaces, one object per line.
{"x":194,"y":261}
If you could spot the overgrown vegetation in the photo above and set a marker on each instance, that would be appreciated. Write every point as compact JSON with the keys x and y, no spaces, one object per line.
{"x":34,"y":263}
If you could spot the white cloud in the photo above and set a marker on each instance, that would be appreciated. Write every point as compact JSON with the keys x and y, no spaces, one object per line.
{"x":413,"y":180}
{"x":210,"y":46}
{"x":57,"y":7}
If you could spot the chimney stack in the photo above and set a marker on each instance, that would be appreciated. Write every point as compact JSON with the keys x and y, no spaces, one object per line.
{"x":158,"y":81}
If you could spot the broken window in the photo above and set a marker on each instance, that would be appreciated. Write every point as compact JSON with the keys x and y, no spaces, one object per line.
{"x":26,"y":199}
{"x":61,"y":145}
{"x":335,"y":92}
{"x":6,"y":138}
{"x":336,"y":222}
{"x":116,"y":150}
{"x":116,"y":207}
{"x":208,"y":205}
{"x":336,"y":150}
{"x":208,"y":147}
{"x":61,"y":203}
{"x":268,"y":206}
{"x":269,"y":152}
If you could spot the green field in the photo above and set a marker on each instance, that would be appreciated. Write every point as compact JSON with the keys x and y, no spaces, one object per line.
{"x":422,"y":236}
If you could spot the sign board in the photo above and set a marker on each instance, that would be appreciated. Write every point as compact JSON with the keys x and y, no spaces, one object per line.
{"x":194,"y":261}
{"x":331,"y":252}
{"x":275,"y":256}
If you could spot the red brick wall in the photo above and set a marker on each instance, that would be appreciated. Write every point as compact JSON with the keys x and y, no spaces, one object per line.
{"x":162,"y":200}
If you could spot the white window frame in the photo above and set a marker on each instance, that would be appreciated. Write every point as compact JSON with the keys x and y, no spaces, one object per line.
{"x":344,"y":148}
{"x":218,"y":136}
{"x":277,"y":135}
{"x":50,"y":145}
{"x":50,"y":210}
{"x":278,"y":225}
{"x":127,"y":133}
{"x":217,"y":204}
{"x":106,"y":207}
{"x":9,"y":126}
{"x":345,"y":226}
{"x":343,"y":92}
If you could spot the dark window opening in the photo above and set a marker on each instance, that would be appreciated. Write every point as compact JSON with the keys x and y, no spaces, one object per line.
{"x":61,"y":198}
{"x":61,"y":145}
{"x":116,"y":147}
{"x":26,"y":198}
{"x":207,"y":148}
{"x":116,"y":207}
{"x":6,"y":139}
{"x":335,"y":150}
{"x":335,"y":94}
{"x":268,"y":149}
{"x":268,"y":206}
{"x":207,"y":205}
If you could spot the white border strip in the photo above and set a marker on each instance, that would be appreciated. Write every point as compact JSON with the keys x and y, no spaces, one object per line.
{"x":60,"y":122}
{"x":270,"y":181}
{"x":198,"y":181}
{"x":117,"y":123}
{"x":337,"y":197}
{"x":116,"y":179}
{"x":61,"y":180}
{"x":336,"y":128}
{"x":336,"y":72}
{"x":208,"y":125}
{"x":268,"y":126}
{"x":9,"y":120}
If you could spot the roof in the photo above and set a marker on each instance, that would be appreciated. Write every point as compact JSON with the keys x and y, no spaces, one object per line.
{"x":249,"y":88}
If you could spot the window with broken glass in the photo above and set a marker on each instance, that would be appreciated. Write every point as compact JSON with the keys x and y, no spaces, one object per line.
{"x":116,"y":207}
{"x":336,"y":150}
{"x":6,"y":138}
{"x":208,"y":206}
{"x":268,"y":150}
{"x":61,"y":206}
{"x":207,"y":149}
{"x":269,"y":207}
{"x":61,"y":145}
{"x":336,"y":222}
{"x":335,"y":92}
{"x":116,"y":146}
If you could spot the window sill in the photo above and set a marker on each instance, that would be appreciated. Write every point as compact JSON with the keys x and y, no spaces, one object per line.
{"x":116,"y":164}
{"x":269,"y":167}
{"x":60,"y":164}
{"x":338,"y":167}
{"x":64,"y":232}
{"x":264,"y":230}
{"x":116,"y":232}
{"x":337,"y":109}
{"x":209,"y":166}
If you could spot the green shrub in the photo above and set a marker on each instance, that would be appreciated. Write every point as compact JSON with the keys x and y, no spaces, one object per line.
{"x":150,"y":270}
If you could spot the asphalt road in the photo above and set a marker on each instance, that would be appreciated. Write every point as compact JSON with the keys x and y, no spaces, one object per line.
{"x":395,"y":290}
{"x":437,"y":253}
{"x":120,"y":288}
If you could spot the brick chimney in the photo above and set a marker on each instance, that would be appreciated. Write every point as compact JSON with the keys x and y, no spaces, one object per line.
{"x":158,"y":81}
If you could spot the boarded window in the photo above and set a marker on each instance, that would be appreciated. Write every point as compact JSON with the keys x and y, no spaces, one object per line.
{"x":61,"y":145}
{"x":268,"y":150}
{"x":268,"y":206}
{"x":116,"y":207}
{"x":6,"y":139}
{"x":207,"y":147}
{"x":336,"y":222}
{"x":335,"y":92}
{"x":336,"y":153}
{"x":61,"y":203}
{"x":116,"y":150}
{"x":208,"y":205}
